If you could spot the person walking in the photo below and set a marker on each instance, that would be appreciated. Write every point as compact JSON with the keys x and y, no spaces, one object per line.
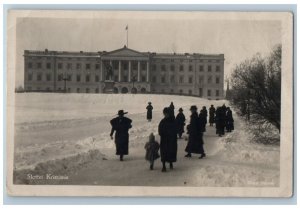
{"x":152,"y":148}
{"x":168,"y":139}
{"x":212,"y":112}
{"x":172,"y":110}
{"x":180,"y":123}
{"x":229,"y":120}
{"x":121,"y":126}
{"x":149,"y":111}
{"x":195,"y":140}
{"x":220,"y":121}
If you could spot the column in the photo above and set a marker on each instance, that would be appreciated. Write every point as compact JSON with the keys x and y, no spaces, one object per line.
{"x":101,"y":71}
{"x":148,"y":71}
{"x":119,"y":70}
{"x":129,"y":71}
{"x":139,"y":71}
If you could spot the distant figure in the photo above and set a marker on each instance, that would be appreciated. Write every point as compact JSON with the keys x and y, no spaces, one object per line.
{"x":220,"y":121}
{"x":168,"y":139}
{"x":149,"y":111}
{"x":172,"y":110}
{"x":195,"y":141}
{"x":121,"y":125}
{"x":204,"y":110}
{"x":229,"y":120}
{"x":212,"y":112}
{"x":202,"y":121}
{"x":152,"y":148}
{"x":180,"y":123}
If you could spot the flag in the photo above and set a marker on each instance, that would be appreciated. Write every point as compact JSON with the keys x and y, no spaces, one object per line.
{"x":126,"y":27}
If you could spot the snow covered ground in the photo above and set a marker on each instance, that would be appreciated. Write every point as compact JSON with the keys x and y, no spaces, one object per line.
{"x":68,"y":134}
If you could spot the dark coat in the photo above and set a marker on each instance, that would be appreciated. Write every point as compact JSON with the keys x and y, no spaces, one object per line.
{"x":212,"y":112}
{"x":152,"y":151}
{"x":204,"y":111}
{"x":195,"y":141}
{"x":229,"y":121}
{"x":121,"y":127}
{"x":180,"y":123}
{"x":220,"y":121}
{"x":149,"y":111}
{"x":202,"y":122}
{"x":172,"y":110}
{"x":168,"y":140}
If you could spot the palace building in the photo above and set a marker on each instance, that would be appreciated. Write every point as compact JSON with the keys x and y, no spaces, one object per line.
{"x":130,"y":71}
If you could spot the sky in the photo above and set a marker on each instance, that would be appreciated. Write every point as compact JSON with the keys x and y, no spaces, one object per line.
{"x":236,"y":39}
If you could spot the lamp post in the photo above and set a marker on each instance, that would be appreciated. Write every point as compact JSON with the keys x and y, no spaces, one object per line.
{"x":133,"y":79}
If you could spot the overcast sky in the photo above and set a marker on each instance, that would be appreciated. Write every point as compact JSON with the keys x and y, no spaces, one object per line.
{"x":237,"y":40}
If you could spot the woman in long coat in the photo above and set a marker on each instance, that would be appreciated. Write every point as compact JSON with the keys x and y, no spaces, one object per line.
{"x":195,"y":141}
{"x":180,"y":123}
{"x":229,"y":120}
{"x":149,"y":111}
{"x":220,"y":121}
{"x":121,"y":126}
{"x":168,"y":139}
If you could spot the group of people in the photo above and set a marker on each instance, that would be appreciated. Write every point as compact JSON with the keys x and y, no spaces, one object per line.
{"x":170,"y":129}
{"x":222,"y":116}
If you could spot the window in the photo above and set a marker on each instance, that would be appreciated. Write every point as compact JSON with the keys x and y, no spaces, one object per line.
{"x":171,"y":91}
{"x":39,"y":65}
{"x":208,"y":93}
{"x":191,"y":68}
{"x":209,"y":79}
{"x":125,"y":78}
{"x":217,"y":93}
{"x":172,"y":68}
{"x":162,"y":91}
{"x":60,"y":77}
{"x":181,"y":79}
{"x":30,"y":75}
{"x":153,"y":67}
{"x":209,"y":68}
{"x":163,"y":68}
{"x":201,"y":68}
{"x":143,"y":65}
{"x":29,"y":88}
{"x":217,"y":80}
{"x":201,"y":79}
{"x":69,"y":90}
{"x":97,"y":79}
{"x":143,"y":78}
{"x":87,"y":66}
{"x":163,"y":79}
{"x":97,"y":90}
{"x":48,"y":77}
{"x":116,"y":78}
{"x":59,"y":65}
{"x":180,"y":91}
{"x":190,"y":92}
{"x":78,"y":90}
{"x":191,"y":79}
{"x":48,"y":65}
{"x":181,"y":68}
{"x":78,"y":66}
{"x":39,"y":77}
{"x":172,"y":79}
{"x":69,"y":66}
{"x":69,"y":77}
{"x":29,"y":65}
{"x":87,"y":78}
{"x":78,"y":78}
{"x":97,"y":66}
{"x":87,"y":90}
{"x":154,"y":79}
{"x":218,"y":68}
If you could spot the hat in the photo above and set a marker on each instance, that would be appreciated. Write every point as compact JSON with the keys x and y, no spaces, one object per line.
{"x":151,"y":137}
{"x":193,"y":107}
{"x":149,"y":102}
{"x":180,"y":110}
{"x":121,"y":112}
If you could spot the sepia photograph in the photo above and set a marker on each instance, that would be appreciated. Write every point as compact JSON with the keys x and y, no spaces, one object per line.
{"x":137,"y":103}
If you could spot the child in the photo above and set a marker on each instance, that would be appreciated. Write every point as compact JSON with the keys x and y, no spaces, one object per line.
{"x":152,"y":148}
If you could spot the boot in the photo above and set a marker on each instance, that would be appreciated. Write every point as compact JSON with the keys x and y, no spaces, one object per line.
{"x":171,"y":166}
{"x":151,"y":167}
{"x":202,"y":156}
{"x":188,"y":155}
{"x":121,"y":157}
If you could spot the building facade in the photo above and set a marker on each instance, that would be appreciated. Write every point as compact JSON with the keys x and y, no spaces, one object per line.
{"x":194,"y":74}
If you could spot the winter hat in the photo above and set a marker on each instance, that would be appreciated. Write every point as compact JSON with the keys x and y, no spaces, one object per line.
{"x":166,"y":110}
{"x":193,"y":107}
{"x":180,"y":110}
{"x":151,"y":137}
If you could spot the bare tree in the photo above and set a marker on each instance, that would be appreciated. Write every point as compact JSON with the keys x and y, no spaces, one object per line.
{"x":256,"y":87}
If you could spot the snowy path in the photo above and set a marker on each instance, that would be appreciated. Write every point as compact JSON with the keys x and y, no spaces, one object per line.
{"x":231,"y":160}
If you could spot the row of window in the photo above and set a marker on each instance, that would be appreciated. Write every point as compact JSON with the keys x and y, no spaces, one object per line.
{"x":61,"y":77}
{"x":68,"y":66}
{"x":190,"y":92}
{"x":78,"y":90}
{"x":182,"y":60}
{"x":163,"y":68}
{"x":181,"y":79}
